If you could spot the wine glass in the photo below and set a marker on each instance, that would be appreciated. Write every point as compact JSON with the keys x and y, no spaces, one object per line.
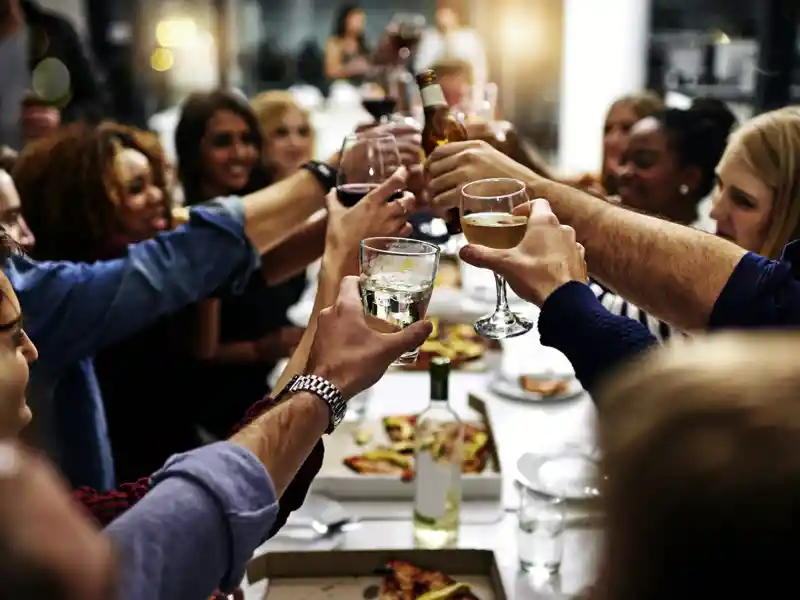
{"x":487,"y":219}
{"x":396,"y":283}
{"x":405,"y":31}
{"x":366,"y":162}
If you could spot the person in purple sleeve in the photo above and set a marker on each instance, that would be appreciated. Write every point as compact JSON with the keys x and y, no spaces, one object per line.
{"x":208,"y":509}
{"x":688,"y":278}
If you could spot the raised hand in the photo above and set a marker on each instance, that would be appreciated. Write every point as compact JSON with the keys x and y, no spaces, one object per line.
{"x":373,"y":216}
{"x":458,"y":163}
{"x":546,"y":258}
{"x":348,"y":353}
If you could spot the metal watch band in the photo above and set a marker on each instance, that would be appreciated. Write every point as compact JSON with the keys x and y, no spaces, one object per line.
{"x":325,"y":174}
{"x":326,"y":391}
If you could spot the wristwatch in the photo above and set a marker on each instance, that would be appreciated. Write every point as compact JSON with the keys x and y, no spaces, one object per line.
{"x":323,"y":173}
{"x":322,"y":388}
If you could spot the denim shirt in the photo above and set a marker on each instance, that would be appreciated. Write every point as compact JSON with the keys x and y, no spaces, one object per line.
{"x":198,"y":526}
{"x":73,"y":310}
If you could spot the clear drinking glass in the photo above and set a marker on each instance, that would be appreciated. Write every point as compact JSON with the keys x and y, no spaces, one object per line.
{"x":540,"y":536}
{"x":366,"y":162}
{"x":397,"y":276}
{"x":486,"y":219}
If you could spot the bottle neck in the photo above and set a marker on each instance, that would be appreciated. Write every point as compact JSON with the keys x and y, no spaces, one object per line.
{"x":432,"y":96}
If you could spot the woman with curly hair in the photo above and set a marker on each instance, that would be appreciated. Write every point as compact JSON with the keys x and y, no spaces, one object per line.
{"x":87,"y":193}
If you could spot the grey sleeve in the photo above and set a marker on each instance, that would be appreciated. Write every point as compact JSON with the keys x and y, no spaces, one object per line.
{"x":195,"y":530}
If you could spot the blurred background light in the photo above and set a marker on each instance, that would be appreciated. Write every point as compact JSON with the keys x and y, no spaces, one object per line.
{"x":162,"y":59}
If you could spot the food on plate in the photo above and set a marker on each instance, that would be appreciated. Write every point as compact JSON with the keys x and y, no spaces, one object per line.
{"x":404,"y":581}
{"x":543,"y":387}
{"x":397,"y":457}
{"x":449,"y":275}
{"x":459,"y":343}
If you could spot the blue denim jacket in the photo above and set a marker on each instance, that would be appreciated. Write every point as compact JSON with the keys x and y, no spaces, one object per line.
{"x":73,"y":310}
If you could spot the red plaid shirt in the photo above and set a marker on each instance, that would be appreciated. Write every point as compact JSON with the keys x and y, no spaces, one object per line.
{"x":105,"y":507}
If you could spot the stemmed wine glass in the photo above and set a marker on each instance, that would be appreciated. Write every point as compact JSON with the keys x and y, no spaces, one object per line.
{"x":366,"y":162}
{"x":405,"y":31}
{"x":487,"y":219}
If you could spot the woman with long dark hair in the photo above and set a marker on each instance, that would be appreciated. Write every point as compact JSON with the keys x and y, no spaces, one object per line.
{"x":346,"y":53}
{"x":241,"y":337}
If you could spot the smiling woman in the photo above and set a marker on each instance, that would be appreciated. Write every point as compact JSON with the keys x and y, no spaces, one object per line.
{"x":88,"y":192}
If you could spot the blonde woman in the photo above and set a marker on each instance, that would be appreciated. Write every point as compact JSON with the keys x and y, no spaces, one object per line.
{"x":286,"y":128}
{"x":755,"y":200}
{"x":703,"y":475}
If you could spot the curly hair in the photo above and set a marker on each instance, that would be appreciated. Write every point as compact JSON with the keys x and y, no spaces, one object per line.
{"x":70,"y":187}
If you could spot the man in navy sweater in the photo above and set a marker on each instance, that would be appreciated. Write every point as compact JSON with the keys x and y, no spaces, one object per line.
{"x":688,"y":278}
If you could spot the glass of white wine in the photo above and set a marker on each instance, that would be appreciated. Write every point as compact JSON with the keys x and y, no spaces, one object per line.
{"x":487,"y":219}
{"x":396,"y":282}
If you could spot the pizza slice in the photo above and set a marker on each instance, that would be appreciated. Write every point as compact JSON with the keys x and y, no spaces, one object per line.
{"x":405,"y":581}
{"x":400,"y":428}
{"x":544,"y":387}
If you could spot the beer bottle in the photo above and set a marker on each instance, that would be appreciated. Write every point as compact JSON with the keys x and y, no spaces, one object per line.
{"x":441,"y":127}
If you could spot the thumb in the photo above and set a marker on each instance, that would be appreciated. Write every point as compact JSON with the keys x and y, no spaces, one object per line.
{"x":333,"y":202}
{"x":395,"y":183}
{"x":483,"y":257}
{"x":408,"y":338}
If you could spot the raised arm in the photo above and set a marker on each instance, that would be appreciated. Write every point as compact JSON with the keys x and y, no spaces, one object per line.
{"x":674,"y":272}
{"x":211,"y":508}
{"x":73,"y":310}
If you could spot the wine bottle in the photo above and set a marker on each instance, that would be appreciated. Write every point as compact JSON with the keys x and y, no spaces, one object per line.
{"x":438,"y":458}
{"x":441,"y":127}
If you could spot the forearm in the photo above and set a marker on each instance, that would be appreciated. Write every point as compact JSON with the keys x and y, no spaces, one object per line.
{"x":272,"y":214}
{"x":283,"y":437}
{"x":327,"y":289}
{"x":674,"y":272}
{"x":296,"y":252}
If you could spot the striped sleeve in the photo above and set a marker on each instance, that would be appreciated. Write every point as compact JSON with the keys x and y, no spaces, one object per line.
{"x":619,"y":306}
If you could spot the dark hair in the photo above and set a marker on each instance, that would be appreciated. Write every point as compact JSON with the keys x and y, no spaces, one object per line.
{"x":67,"y":183}
{"x":340,"y":25}
{"x":196,"y":111}
{"x":698,"y":137}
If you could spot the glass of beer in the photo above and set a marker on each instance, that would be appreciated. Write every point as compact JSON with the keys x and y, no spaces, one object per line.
{"x":397,"y":276}
{"x":366,"y":162}
{"x":486,"y":219}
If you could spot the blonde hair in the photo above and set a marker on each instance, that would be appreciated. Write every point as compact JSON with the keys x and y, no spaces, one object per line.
{"x":700,"y":450}
{"x":449,"y":65}
{"x":769,"y":144}
{"x":270,"y":108}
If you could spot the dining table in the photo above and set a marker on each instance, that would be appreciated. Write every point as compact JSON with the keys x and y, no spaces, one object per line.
{"x":547,"y":428}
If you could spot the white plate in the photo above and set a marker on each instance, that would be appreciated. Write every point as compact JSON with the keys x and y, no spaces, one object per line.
{"x":568,"y":476}
{"x":503,"y":385}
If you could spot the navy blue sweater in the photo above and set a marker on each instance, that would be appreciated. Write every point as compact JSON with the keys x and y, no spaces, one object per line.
{"x":760,"y":293}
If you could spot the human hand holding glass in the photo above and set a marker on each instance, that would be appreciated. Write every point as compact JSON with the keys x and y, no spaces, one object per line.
{"x":366,"y":163}
{"x":487,"y":219}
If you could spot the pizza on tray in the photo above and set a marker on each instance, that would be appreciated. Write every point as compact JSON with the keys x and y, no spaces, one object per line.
{"x":547,"y":388}
{"x":458,"y":342}
{"x":404,"y":581}
{"x":397,"y":458}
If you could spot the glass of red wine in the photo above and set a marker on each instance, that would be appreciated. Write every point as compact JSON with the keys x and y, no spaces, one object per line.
{"x":366,"y":162}
{"x":405,"y":31}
